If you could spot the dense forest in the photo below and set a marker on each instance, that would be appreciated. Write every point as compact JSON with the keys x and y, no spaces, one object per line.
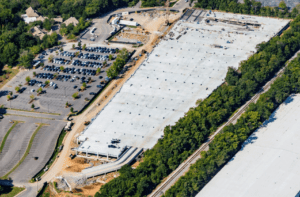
{"x":248,"y":7}
{"x":18,"y":46}
{"x":183,"y":138}
{"x":152,"y":3}
{"x":227,"y":143}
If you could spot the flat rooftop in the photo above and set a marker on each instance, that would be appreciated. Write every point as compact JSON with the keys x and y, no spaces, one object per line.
{"x":187,"y":65}
{"x":268,"y":164}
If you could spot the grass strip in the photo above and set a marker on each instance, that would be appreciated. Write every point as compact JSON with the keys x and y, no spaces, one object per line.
{"x":6,"y":135}
{"x":11,"y":72}
{"x":10,"y":191}
{"x":26,"y":152}
{"x":54,"y":155}
{"x":28,"y":116}
{"x":56,"y":114}
{"x":172,"y":4}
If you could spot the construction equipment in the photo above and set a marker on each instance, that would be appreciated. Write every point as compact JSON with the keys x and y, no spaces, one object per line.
{"x":167,"y":4}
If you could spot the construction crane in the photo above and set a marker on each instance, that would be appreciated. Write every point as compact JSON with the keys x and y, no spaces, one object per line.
{"x":167,"y":4}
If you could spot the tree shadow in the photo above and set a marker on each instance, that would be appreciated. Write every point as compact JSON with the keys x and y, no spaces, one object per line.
{"x":6,"y":190}
{"x":289,"y":99}
{"x":4,"y":93}
{"x":3,"y":111}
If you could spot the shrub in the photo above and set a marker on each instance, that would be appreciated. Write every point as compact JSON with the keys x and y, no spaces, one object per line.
{"x":27,"y":79}
{"x":75,"y":95}
{"x":17,"y":88}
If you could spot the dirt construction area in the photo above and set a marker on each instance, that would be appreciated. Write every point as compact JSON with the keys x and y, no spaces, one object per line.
{"x":151,"y":27}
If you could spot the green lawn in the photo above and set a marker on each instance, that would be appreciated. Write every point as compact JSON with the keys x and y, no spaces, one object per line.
{"x":10,"y":191}
{"x":10,"y":73}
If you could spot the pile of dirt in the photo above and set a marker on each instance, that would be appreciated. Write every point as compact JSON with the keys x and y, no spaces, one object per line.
{"x":76,"y":164}
{"x":133,"y":36}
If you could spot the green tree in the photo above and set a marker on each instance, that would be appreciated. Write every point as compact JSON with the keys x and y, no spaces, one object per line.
{"x":84,"y":46}
{"x":50,"y":58}
{"x":47,"y":24}
{"x":26,"y":59}
{"x":75,"y":95}
{"x":282,"y":5}
{"x":98,"y":71}
{"x":79,"y":44}
{"x":40,"y":90}
{"x":73,"y":46}
{"x":71,"y":110}
{"x":47,"y":82}
{"x":110,"y":57}
{"x":70,"y":27}
{"x":17,"y":88}
{"x":9,"y":54}
{"x":34,"y":74}
{"x":123,"y":54}
{"x":35,"y":49}
{"x":105,"y":63}
{"x":294,"y":12}
{"x":232,"y":76}
{"x":62,"y":68}
{"x":32,"y":97}
{"x":27,"y":79}
{"x":32,"y":106}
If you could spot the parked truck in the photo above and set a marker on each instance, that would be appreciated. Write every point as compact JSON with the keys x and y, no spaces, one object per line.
{"x":68,"y":126}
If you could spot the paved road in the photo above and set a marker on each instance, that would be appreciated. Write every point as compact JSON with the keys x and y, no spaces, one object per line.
{"x":184,"y":167}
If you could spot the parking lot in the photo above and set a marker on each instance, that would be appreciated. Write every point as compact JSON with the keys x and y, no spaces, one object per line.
{"x":63,"y":83}
{"x":16,"y":143}
{"x":42,"y":148}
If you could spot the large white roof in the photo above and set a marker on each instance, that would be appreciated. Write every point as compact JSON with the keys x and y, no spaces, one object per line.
{"x":268,"y":164}
{"x":176,"y":74}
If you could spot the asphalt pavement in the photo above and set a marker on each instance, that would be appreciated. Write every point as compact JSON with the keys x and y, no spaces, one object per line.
{"x":16,"y":143}
{"x":42,"y":148}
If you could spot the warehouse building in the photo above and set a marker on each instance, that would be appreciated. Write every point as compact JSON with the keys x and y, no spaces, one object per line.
{"x":187,"y":65}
